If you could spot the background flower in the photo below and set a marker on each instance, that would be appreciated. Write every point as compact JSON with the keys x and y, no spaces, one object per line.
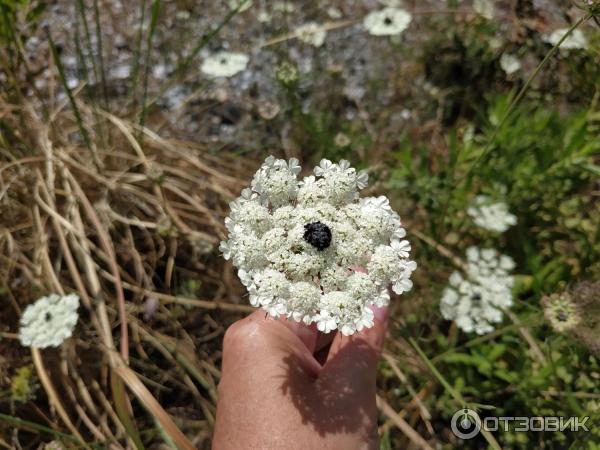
{"x":509,"y":63}
{"x":387,"y":22}
{"x":491,"y":216}
{"x":475,"y":300}
{"x":49,"y":321}
{"x":311,"y":33}
{"x":224,"y":64}
{"x":561,"y":312}
{"x":576,"y":40}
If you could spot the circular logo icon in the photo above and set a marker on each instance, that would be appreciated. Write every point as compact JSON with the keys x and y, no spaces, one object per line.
{"x":465,"y":423}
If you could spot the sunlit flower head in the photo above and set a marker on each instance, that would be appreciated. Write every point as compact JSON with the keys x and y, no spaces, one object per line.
{"x":485,"y":8}
{"x":509,"y":63}
{"x":224,"y":64}
{"x":491,"y":216}
{"x":334,"y":13}
{"x":561,"y":312}
{"x":576,"y":40}
{"x":387,"y":22}
{"x":475,"y":300}
{"x":311,"y":33}
{"x":49,"y":321}
{"x":313,"y":250}
{"x":264,"y":16}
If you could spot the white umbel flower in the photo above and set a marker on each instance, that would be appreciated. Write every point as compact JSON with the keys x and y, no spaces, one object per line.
{"x":485,"y":8}
{"x":509,"y":63}
{"x":224,"y":64}
{"x":312,"y":33}
{"x":49,"y":321}
{"x":575,"y":41}
{"x":475,"y":300}
{"x":491,"y":216}
{"x":298,"y":245}
{"x":387,"y":21}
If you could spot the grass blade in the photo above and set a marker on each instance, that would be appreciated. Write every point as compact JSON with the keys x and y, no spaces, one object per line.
{"x":453,"y":392}
{"x":138,"y":52}
{"x":63,"y":81}
{"x":488,"y":147}
{"x":153,"y":19}
{"x":100,"y":55}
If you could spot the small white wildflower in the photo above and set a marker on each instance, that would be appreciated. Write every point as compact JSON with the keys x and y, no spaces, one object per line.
{"x":475,"y":301}
{"x":298,"y":244}
{"x":182,"y":15}
{"x":387,"y":22}
{"x":575,"y":41}
{"x":311,"y":33}
{"x":264,"y":16}
{"x":509,"y":63}
{"x":485,"y":8}
{"x":491,"y":216}
{"x":49,"y":321}
{"x":334,"y":13}
{"x":224,"y":64}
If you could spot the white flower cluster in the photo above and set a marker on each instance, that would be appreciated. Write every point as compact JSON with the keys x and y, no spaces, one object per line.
{"x":49,"y":321}
{"x":312,"y":33}
{"x":301,"y":245}
{"x":510,"y":63}
{"x":387,"y":21}
{"x":475,"y":300}
{"x":485,"y":8}
{"x":224,"y":64}
{"x":575,"y":41}
{"x":491,"y":216}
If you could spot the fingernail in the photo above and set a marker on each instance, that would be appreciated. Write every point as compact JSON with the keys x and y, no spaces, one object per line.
{"x":380,"y":313}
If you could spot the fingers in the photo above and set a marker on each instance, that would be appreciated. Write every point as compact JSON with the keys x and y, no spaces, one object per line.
{"x":263,"y":340}
{"x":312,"y":338}
{"x":308,"y":334}
{"x":260,"y":340}
{"x":367,"y":343}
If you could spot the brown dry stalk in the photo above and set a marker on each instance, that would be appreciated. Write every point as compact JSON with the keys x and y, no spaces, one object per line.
{"x":53,"y":397}
{"x":107,"y":246}
{"x":96,"y":220}
{"x":402,"y":424}
{"x":153,"y":407}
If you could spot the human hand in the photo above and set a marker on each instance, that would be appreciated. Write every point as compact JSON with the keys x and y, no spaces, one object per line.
{"x":285,"y":385}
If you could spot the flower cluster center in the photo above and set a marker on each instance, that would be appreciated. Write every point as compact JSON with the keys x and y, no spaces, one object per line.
{"x":318,"y":235}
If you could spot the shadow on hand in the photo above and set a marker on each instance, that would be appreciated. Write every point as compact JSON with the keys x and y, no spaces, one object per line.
{"x":341,"y":399}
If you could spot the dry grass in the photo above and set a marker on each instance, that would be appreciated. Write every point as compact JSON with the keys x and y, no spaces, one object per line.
{"x":129,"y":225}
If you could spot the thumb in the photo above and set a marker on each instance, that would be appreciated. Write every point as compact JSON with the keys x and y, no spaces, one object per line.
{"x":360,"y":351}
